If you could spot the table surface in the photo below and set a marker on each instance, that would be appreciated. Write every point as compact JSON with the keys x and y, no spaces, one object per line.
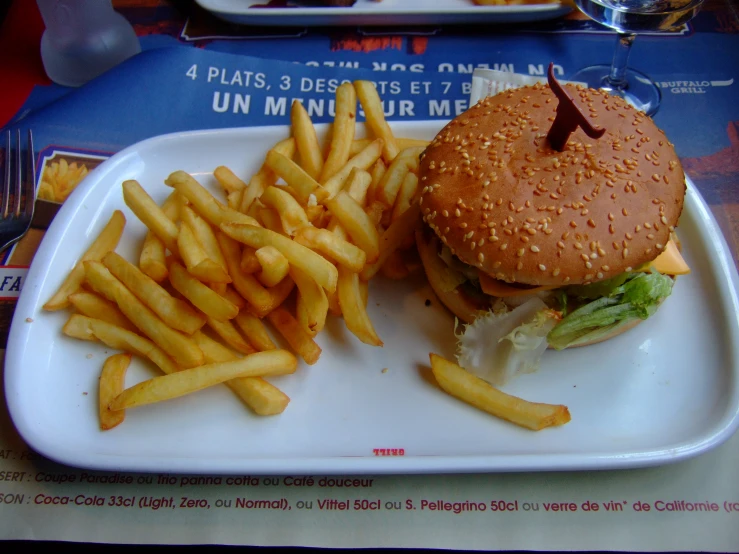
{"x":697,"y":70}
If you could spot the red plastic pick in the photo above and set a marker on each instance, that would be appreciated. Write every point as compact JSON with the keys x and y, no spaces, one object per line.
{"x":569,"y":117}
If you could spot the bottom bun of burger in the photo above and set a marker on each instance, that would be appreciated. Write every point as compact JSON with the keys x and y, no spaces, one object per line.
{"x":465,"y":300}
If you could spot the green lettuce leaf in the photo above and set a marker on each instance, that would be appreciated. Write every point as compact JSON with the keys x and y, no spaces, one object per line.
{"x":638,"y":296}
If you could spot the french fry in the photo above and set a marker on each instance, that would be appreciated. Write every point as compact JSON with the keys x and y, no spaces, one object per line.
{"x":203,"y":201}
{"x":201,"y":296}
{"x":166,"y":387}
{"x":353,"y":308}
{"x":298,"y":339}
{"x":274,"y":265}
{"x":357,"y":224}
{"x":320,"y":269}
{"x":228,"y":332}
{"x":234,"y":297}
{"x":111,"y":383}
{"x":403,"y":143}
{"x":97,"y":307}
{"x":270,"y":219}
{"x":261,"y":396}
{"x":474,"y":391}
{"x":387,"y":189}
{"x":174,"y":343}
{"x":152,"y":258}
{"x":303,"y":184}
{"x":393,"y":238}
{"x":220,"y":288}
{"x":87,"y":328}
{"x":106,"y":241}
{"x":228,"y":179}
{"x":196,"y":259}
{"x":249,"y":262}
{"x":150,"y":214}
{"x":259,"y":182}
{"x":334,"y":307}
{"x":291,"y":213}
{"x":306,"y":140}
{"x":375,"y":118}
{"x":331,"y":245}
{"x":205,"y":235}
{"x":363,"y":291}
{"x":254,"y":331}
{"x":364,"y":160}
{"x":174,"y":312}
{"x":265,"y":177}
{"x":343,"y":129}
{"x":260,"y":301}
{"x":375,"y":211}
{"x":314,"y":213}
{"x":233,"y":199}
{"x":357,"y":185}
{"x":312,"y":303}
{"x":280,"y":292}
{"x":405,"y":195}
{"x":377,"y":171}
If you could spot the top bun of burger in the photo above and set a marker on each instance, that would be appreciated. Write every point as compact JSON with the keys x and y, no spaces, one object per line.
{"x":504,"y":201}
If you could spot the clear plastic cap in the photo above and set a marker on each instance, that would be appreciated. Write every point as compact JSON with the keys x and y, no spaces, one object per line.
{"x":83,"y":39}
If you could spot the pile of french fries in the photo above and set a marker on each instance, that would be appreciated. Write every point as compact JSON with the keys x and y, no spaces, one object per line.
{"x":295,"y":243}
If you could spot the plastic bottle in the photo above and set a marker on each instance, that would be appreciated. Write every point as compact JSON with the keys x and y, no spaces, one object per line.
{"x":83,"y":39}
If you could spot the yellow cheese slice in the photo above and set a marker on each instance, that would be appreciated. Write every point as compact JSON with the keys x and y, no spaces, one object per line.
{"x":670,"y":262}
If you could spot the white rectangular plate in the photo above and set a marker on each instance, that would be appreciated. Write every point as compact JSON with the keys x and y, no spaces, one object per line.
{"x":386,"y":12}
{"x":665,"y":391}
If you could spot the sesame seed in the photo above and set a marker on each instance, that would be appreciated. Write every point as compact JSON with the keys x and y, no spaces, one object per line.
{"x":659,"y":246}
{"x":599,"y":275}
{"x":560,"y":244}
{"x":656,"y":177}
{"x":504,"y":246}
{"x":663,"y":219}
{"x":555,"y":272}
{"x":519,"y":265}
{"x":578,"y":246}
{"x":542,"y":267}
{"x":601,"y":252}
{"x":445,"y":213}
{"x":473,"y":245}
{"x":457,"y":212}
{"x":463,"y":225}
{"x":480,"y":257}
{"x":629,"y":236}
{"x":584,"y":257}
{"x":534,"y":248}
{"x":637,"y":228}
{"x":625,"y":252}
{"x":573,"y":224}
{"x":591,"y":223}
{"x":520,"y":252}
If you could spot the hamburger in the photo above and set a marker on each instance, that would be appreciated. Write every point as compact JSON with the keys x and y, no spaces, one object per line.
{"x":539,"y":241}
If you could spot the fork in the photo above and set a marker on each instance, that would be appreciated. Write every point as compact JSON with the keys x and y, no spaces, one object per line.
{"x":18,"y":192}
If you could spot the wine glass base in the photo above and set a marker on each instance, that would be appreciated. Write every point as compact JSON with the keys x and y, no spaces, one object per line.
{"x":640,"y":91}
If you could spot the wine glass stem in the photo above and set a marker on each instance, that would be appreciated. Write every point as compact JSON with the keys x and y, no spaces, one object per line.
{"x":617,"y":76}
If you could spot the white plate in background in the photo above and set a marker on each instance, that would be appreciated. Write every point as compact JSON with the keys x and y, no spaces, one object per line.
{"x":385,"y":12}
{"x":664,"y":391}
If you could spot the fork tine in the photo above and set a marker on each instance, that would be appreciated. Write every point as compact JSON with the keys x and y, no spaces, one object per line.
{"x":6,"y":181}
{"x":29,"y":186}
{"x":18,"y":185}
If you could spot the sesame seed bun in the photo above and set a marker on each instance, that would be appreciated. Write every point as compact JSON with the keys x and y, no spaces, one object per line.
{"x":497,"y":194}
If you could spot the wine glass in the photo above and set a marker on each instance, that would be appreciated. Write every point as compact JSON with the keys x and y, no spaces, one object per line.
{"x":628,"y":17}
